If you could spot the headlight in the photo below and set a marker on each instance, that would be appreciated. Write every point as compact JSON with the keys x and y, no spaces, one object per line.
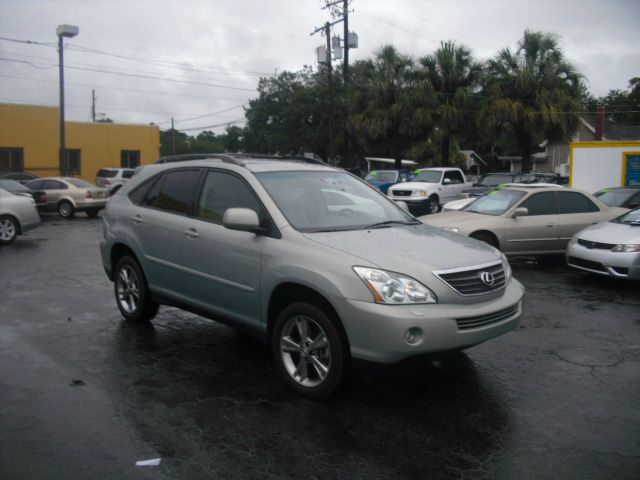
{"x":451,"y":229}
{"x":573,"y":241}
{"x":393,"y":288}
{"x":420,"y":193}
{"x":626,"y":248}
{"x":507,"y":269}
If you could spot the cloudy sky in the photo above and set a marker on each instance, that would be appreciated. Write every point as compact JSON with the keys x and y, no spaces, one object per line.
{"x":199,"y":61}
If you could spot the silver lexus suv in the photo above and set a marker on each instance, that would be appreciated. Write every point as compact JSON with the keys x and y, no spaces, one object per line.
{"x":306,"y":257}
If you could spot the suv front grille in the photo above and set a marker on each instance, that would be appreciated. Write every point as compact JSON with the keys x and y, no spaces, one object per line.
{"x":475,"y":281}
{"x":484,"y":320}
{"x":401,"y":193}
{"x":597,"y":245}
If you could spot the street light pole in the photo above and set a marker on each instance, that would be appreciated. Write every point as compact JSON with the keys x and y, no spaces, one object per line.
{"x":63,"y":31}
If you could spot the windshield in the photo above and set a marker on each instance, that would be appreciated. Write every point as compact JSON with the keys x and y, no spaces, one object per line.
{"x":430,"y":176}
{"x":329,"y":201}
{"x":383,"y":176}
{"x":495,"y":203}
{"x":614,"y":198}
{"x":81,"y":183}
{"x":632,"y":217}
{"x":493,"y":180}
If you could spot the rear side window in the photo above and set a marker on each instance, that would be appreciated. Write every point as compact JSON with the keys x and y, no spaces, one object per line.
{"x":541,"y":204}
{"x":175,"y":191}
{"x":106,"y":173}
{"x":36,"y":184}
{"x":574,"y":202}
{"x":138,"y":195}
{"x":127,"y":173}
{"x":222,"y":191}
{"x":54,"y":185}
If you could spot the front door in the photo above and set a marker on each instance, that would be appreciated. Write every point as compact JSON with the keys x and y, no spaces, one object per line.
{"x":537,"y":231}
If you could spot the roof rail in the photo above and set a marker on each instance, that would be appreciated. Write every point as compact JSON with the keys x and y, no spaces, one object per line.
{"x":234,"y":158}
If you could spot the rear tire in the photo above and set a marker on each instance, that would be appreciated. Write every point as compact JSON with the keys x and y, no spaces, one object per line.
{"x":486,"y":238}
{"x":8,"y":229}
{"x":66,"y":209}
{"x":132,"y":292}
{"x":309,"y":350}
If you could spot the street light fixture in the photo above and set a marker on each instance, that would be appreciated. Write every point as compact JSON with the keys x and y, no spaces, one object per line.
{"x":63,"y":31}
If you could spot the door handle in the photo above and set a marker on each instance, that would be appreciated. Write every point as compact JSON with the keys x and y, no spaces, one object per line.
{"x":137,"y":219}
{"x":191,"y":233}
{"x":551,"y":225}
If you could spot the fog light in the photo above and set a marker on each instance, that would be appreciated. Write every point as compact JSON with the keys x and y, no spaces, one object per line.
{"x":413,"y":336}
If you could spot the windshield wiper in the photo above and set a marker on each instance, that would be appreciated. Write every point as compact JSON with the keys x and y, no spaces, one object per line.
{"x":388,"y":223}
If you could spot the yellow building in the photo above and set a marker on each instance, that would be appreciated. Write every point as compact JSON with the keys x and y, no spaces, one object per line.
{"x":30,"y":142}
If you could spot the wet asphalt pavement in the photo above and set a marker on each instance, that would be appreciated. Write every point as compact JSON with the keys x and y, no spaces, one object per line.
{"x":83,"y":395}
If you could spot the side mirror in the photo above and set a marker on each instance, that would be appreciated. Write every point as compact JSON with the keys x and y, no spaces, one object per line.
{"x":242,"y":219}
{"x":403,"y":205}
{"x":446,"y":181}
{"x":520,"y":212}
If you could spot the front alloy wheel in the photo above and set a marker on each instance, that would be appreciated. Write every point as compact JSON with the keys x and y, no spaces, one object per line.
{"x":309,"y":350}
{"x":8,"y":230}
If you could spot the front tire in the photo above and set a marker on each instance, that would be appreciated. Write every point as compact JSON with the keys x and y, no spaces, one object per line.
{"x":309,"y":350}
{"x":433,"y":204}
{"x":132,"y":292}
{"x":66,"y":209}
{"x":8,"y":229}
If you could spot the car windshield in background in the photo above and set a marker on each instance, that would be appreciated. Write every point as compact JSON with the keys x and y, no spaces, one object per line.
{"x":431,"y":176}
{"x":496,"y":203}
{"x":383,"y":176}
{"x":493,"y":180}
{"x":81,"y":183}
{"x":107,"y":173}
{"x":614,"y":198}
{"x":330,"y":201}
{"x":631,"y":218}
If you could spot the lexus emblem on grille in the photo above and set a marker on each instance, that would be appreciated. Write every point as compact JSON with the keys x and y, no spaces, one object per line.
{"x":487,"y":278}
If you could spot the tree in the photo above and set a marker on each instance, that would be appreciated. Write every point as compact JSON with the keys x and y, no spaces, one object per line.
{"x":453,"y":74}
{"x":232,"y":139}
{"x":535,"y":92}
{"x":391,"y":107}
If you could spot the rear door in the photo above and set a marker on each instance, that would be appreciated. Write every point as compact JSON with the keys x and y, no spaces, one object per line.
{"x":576,"y":211}
{"x":54,"y":190}
{"x":537,"y":231}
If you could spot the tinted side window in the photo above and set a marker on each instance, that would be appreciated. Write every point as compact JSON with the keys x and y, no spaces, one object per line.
{"x":541,"y":204}
{"x":222,"y":191}
{"x":36,"y":184}
{"x":574,"y":202}
{"x":176,"y":191}
{"x":138,"y":195}
{"x":54,"y":185}
{"x":454,"y":176}
{"x":127,"y":173}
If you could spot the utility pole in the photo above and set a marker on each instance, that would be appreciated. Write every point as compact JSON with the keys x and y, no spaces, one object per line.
{"x":93,"y":105}
{"x":173,"y":138}
{"x":330,"y":149}
{"x":345,"y":79}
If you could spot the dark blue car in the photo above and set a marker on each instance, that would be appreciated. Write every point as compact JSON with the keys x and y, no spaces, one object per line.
{"x":383,"y":179}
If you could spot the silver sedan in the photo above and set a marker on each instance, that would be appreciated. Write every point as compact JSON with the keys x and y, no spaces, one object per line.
{"x":610,"y":248}
{"x":17,"y":215}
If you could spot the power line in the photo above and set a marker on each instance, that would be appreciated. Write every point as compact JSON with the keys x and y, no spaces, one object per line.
{"x":234,"y":122}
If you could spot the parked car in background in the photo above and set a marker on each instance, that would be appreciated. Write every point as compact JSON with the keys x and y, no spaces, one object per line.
{"x":18,"y":214}
{"x":112,"y":177}
{"x":18,"y":176}
{"x":610,"y":248}
{"x":306,"y":257}
{"x":70,"y":195}
{"x":12,"y":186}
{"x":455,"y":205}
{"x":490,"y":180}
{"x":526,"y":220}
{"x":383,"y":179}
{"x":430,"y":188}
{"x":624,"y":197}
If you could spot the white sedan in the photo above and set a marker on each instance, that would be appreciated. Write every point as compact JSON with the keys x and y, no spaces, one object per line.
{"x":17,"y":215}
{"x":610,"y":248}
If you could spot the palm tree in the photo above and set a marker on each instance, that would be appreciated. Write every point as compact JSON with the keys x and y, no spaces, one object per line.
{"x":453,"y":74}
{"x":535,"y":92}
{"x":388,"y":110}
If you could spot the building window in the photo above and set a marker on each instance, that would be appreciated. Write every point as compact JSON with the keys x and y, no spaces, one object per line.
{"x":130,"y":158}
{"x":11,"y":159}
{"x":71,"y":164}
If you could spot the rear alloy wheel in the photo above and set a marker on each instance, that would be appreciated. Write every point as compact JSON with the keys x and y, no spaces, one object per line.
{"x":8,"y":229}
{"x":433,"y":204}
{"x":308,"y":350}
{"x":66,"y":209}
{"x":132,"y":293}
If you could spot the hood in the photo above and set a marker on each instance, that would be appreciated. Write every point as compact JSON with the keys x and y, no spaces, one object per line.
{"x":414,"y":250}
{"x":611,"y":232}
{"x":414,"y":185}
{"x":479,"y":190}
{"x":453,"y":219}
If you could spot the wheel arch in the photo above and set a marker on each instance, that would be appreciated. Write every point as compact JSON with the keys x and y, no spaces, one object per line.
{"x":489,"y":234}
{"x":290,"y":292}
{"x":15,"y":219}
{"x":120,"y":250}
{"x":68,"y":199}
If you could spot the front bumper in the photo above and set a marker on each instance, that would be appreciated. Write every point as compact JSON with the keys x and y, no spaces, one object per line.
{"x":604,"y":262}
{"x":416,"y":205}
{"x":390,"y":333}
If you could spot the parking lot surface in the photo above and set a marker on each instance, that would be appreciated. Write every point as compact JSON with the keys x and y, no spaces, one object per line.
{"x":85,"y":395}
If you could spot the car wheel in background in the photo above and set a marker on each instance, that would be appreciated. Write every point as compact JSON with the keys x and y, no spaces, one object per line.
{"x":92,"y":212}
{"x":8,"y":229}
{"x":132,"y":293}
{"x":433,"y":204}
{"x":486,"y":238}
{"x":309,"y":350}
{"x":66,"y":209}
